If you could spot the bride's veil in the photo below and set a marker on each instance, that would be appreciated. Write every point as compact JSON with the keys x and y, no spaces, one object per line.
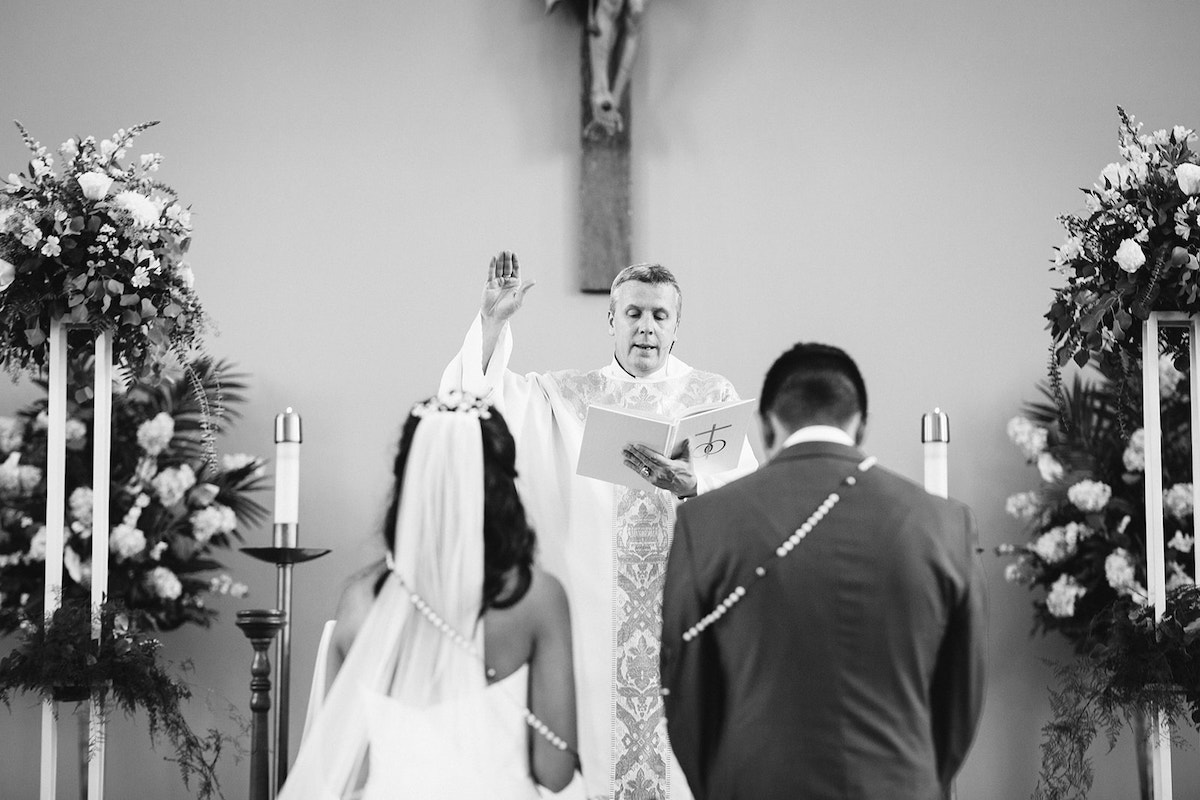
{"x":438,"y":556}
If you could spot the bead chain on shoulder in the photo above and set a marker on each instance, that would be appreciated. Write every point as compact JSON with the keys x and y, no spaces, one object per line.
{"x":434,"y":619}
{"x":782,"y":551}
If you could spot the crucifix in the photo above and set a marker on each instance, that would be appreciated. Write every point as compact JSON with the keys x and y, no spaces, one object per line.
{"x":610,"y":39}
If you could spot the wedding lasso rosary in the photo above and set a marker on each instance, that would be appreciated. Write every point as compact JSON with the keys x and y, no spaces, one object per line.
{"x":781,"y":552}
{"x":448,"y":630}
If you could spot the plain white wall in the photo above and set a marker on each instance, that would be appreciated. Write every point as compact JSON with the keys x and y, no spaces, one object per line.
{"x":879,"y":175}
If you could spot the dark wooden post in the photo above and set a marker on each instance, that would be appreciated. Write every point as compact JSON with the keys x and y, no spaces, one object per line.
{"x":260,"y":627}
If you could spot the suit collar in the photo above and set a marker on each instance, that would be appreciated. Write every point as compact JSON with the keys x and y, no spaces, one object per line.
{"x":817,"y":449}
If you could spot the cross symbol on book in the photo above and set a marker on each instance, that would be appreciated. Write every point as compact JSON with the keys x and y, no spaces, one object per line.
{"x":713,"y":445}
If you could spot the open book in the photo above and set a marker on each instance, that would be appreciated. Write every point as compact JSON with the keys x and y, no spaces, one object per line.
{"x":715,"y":433}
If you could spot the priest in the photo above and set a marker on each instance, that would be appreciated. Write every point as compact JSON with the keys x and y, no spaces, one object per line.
{"x":607,"y":543}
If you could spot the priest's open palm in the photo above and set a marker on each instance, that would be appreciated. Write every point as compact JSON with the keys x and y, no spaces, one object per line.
{"x":504,"y":291}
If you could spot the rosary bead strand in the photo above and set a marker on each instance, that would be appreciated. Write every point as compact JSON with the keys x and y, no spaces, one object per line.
{"x":781,"y":551}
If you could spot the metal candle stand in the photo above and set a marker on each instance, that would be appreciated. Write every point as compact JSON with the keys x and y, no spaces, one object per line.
{"x":284,"y":558}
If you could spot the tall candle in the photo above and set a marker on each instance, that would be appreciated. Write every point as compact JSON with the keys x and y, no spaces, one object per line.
{"x":935,"y":436}
{"x":287,"y":478}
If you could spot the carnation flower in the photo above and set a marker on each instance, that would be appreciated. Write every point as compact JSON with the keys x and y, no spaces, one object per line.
{"x":224,"y":584}
{"x":1181,"y":543}
{"x":1023,"y":505}
{"x":80,"y":504}
{"x":155,"y":434}
{"x":37,"y":545}
{"x":126,"y":541}
{"x":208,"y":522}
{"x":76,"y":433}
{"x":172,"y":484}
{"x":1130,"y":256}
{"x":1178,"y":500}
{"x":1188,"y":176}
{"x":164,"y":583}
{"x":1134,"y":457}
{"x":1120,"y":574}
{"x":1027,"y":436}
{"x":1089,"y":496}
{"x":140,"y":208}
{"x":1057,"y":543}
{"x":1060,"y":601}
{"x":12,"y":434}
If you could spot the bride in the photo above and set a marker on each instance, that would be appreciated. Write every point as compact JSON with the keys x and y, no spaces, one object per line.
{"x":452,"y":657}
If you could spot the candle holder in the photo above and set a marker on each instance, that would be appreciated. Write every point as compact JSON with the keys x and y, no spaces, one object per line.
{"x":284,"y":559}
{"x":260,"y":627}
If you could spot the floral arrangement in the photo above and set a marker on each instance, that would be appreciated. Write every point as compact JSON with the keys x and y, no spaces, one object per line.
{"x":1132,"y":251}
{"x":171,"y":508}
{"x":101,"y":244}
{"x":1086,"y":519}
{"x":60,"y":661}
{"x":1085,"y":559}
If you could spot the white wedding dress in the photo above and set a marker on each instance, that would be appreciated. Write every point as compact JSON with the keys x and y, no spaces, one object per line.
{"x":473,"y":747}
{"x":410,"y":707}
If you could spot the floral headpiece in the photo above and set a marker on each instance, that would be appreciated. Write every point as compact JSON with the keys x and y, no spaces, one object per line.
{"x":453,"y":402}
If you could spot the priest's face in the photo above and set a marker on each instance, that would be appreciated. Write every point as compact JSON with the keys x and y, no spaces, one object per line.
{"x":644,"y":321}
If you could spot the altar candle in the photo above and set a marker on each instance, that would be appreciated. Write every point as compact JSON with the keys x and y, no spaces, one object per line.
{"x":287,"y":478}
{"x":935,"y":436}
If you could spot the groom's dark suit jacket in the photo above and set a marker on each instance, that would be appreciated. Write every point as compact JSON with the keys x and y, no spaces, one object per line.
{"x":854,"y":669}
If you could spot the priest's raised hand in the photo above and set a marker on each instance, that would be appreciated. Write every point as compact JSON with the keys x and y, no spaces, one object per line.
{"x":503,"y":294}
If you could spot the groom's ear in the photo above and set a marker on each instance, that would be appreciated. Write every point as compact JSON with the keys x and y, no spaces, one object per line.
{"x":768,"y":431}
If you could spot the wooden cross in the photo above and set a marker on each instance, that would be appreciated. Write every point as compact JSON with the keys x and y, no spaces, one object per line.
{"x":609,"y":43}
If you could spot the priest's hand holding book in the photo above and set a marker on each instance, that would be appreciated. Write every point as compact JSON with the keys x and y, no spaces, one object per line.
{"x":675,"y":475}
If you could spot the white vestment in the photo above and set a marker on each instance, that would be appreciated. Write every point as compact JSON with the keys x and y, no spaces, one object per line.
{"x":608,"y":544}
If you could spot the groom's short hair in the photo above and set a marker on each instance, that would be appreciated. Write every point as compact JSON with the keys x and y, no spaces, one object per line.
{"x":813,"y":384}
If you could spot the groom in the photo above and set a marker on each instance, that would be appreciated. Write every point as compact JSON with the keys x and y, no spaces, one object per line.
{"x":845,"y":658}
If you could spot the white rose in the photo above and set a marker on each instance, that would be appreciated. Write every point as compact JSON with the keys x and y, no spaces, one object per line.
{"x":1129,"y":256}
{"x":1060,"y":602}
{"x":208,"y":522}
{"x":1188,"y":176}
{"x":164,"y":583}
{"x":94,"y":185}
{"x":171,"y":484}
{"x":8,"y":274}
{"x":1089,"y":496}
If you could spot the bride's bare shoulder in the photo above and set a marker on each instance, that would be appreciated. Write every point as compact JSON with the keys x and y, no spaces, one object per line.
{"x":358,"y":594}
{"x":547,"y":597}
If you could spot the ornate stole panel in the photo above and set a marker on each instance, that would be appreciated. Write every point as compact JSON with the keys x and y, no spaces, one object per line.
{"x":642,"y":526}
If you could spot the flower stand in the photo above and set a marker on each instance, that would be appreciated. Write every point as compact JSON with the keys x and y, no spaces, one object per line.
{"x":55,"y":534}
{"x":1159,"y":741}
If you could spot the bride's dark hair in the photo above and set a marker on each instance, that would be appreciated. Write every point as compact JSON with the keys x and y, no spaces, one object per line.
{"x":508,"y":541}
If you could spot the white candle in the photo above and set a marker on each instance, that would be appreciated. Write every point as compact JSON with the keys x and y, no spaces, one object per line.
{"x":935,"y":435}
{"x":287,"y":478}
